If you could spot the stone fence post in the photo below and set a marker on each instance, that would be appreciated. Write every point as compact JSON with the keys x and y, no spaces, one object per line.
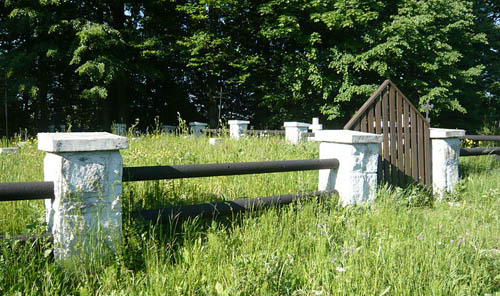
{"x":197,"y":127}
{"x":86,"y":169}
{"x":357,"y":152}
{"x":237,"y":128}
{"x":294,"y":131}
{"x":445,"y":153}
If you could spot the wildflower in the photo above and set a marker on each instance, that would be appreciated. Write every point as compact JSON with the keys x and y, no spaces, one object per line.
{"x":452,"y":241}
{"x":334,"y":260}
{"x":466,"y":233}
{"x":315,"y":292}
{"x":340,"y":269}
{"x":420,"y":237}
{"x":439,"y":243}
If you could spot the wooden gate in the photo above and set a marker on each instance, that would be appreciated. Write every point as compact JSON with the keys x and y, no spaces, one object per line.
{"x":405,"y":155}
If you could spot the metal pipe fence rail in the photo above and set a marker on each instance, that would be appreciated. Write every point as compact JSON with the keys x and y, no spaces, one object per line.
{"x":264,"y":132}
{"x":225,"y":208}
{"x":224,"y":169}
{"x":26,"y":191}
{"x":481,"y":138}
{"x":479,"y":151}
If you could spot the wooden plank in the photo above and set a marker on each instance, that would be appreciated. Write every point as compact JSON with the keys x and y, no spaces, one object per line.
{"x":378,"y":118}
{"x":414,"y":146}
{"x":427,"y":152}
{"x":371,"y":128}
{"x":385,"y":131}
{"x":421,"y":155}
{"x":378,"y":130}
{"x":399,"y":127}
{"x":394,"y":135}
{"x":407,"y":140}
{"x":367,"y":104}
{"x":363,"y":123}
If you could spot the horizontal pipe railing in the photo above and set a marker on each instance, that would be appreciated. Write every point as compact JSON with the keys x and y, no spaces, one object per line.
{"x":479,"y":151}
{"x":26,"y":191}
{"x":480,"y":138}
{"x":224,"y":169}
{"x":265,"y":132}
{"x":224,"y":207}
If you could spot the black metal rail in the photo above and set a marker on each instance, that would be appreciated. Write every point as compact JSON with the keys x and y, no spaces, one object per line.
{"x":26,"y":191}
{"x":224,"y":207}
{"x":480,"y":138}
{"x":224,"y":169}
{"x":479,"y":151}
{"x":264,"y":132}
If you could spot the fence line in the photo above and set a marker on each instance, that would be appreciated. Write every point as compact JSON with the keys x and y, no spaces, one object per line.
{"x":224,"y":169}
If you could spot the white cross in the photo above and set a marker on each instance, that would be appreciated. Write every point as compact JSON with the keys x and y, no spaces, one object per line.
{"x":427,"y":107}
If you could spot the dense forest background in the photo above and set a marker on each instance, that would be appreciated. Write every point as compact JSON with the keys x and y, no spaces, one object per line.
{"x":94,"y":62}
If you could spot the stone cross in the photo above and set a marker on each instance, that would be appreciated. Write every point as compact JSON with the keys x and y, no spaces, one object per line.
{"x":427,"y":107}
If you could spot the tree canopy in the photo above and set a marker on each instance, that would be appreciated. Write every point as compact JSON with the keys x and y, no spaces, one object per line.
{"x":91,"y":63}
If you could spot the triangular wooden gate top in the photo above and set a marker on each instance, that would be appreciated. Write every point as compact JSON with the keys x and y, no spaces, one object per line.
{"x":405,"y":154}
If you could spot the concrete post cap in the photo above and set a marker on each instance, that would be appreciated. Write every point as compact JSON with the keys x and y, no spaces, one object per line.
{"x":347,"y":137}
{"x":79,"y":142}
{"x":238,"y":122}
{"x":442,"y":133}
{"x":296,"y":124}
{"x":195,"y":123}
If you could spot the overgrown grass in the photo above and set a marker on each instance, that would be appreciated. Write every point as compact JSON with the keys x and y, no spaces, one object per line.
{"x":403,"y":244}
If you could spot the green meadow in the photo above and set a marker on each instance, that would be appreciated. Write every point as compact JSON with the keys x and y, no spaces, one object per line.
{"x":405,"y":243}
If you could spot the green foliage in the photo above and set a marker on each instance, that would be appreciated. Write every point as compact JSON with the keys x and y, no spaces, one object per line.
{"x":152,"y":58}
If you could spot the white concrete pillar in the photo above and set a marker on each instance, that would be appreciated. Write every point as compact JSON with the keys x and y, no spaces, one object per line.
{"x":86,"y":169}
{"x":357,"y":152}
{"x":197,"y":127}
{"x":237,"y":128}
{"x":445,"y":153}
{"x":294,"y":131}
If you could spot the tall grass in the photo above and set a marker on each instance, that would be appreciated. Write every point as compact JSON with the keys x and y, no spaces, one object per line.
{"x":400,"y":245}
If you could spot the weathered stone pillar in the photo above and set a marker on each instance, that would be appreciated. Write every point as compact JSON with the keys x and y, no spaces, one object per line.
{"x":197,"y":127}
{"x":86,"y":169}
{"x":237,"y":128}
{"x":445,"y":153}
{"x":294,"y":131}
{"x":357,"y":152}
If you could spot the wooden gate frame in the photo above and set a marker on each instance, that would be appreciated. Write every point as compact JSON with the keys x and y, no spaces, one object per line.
{"x":405,"y":154}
